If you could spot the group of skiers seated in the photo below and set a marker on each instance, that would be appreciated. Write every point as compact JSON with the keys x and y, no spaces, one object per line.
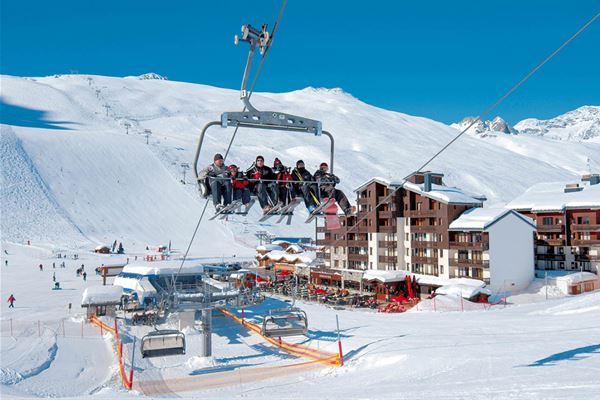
{"x":274,"y":187}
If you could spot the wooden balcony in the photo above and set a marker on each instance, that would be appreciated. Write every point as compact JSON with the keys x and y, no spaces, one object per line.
{"x":550,"y":228}
{"x":358,"y":257}
{"x":586,"y":258}
{"x":423,"y":228}
{"x":358,"y":243}
{"x":421,"y":213}
{"x":387,"y":228}
{"x":389,"y":214}
{"x":363,"y":200}
{"x":424,"y":260}
{"x":388,"y":259}
{"x":469,"y":262}
{"x":470,"y":245}
{"x":589,"y":242}
{"x":388,"y":244}
{"x":550,"y":242}
{"x":585,"y":227}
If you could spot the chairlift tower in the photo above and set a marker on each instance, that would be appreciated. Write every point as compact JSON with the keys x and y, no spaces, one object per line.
{"x":184,"y":168}
{"x":127,"y":125}
{"x":107,"y":106}
{"x":147,"y":133}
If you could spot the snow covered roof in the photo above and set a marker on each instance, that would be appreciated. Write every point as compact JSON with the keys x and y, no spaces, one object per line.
{"x":577,"y":277}
{"x":162,"y":269}
{"x":551,"y":196}
{"x":385,"y":276}
{"x":445,"y":194}
{"x":282,"y":255}
{"x":268,"y":247}
{"x":479,"y":219}
{"x":294,"y":248}
{"x":101,"y":295}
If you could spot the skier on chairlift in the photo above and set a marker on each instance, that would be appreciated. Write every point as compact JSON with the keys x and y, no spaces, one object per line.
{"x":327,"y":182}
{"x":220,"y":188}
{"x":284,"y":182}
{"x":308,"y":191}
{"x":239,"y":184}
{"x":265,"y":191}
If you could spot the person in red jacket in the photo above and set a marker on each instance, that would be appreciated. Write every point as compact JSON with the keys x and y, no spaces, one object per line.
{"x":11,"y":300}
{"x":284,"y":184}
{"x":240,"y":184}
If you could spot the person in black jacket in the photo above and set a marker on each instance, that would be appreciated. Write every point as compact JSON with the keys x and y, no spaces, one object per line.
{"x":265,"y":191}
{"x":327,"y":182}
{"x":308,"y":191}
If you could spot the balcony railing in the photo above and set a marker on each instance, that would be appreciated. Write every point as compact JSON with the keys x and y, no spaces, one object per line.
{"x":469,"y":245}
{"x":586,"y":242}
{"x":363,"y":200}
{"x":421,"y":213}
{"x":469,"y":262}
{"x":387,"y":228}
{"x":550,"y":242}
{"x":585,"y":227}
{"x":358,"y":257}
{"x":424,"y":260}
{"x":551,"y":257}
{"x":358,"y":243}
{"x":423,"y":228}
{"x":321,"y":229}
{"x":388,"y":244}
{"x":550,"y":228}
{"x":389,"y":214}
{"x":388,"y":259}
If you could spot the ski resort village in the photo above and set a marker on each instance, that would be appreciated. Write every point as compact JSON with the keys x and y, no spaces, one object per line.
{"x":165,"y":239}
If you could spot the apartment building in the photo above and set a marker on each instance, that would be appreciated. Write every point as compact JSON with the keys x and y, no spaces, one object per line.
{"x":567,"y":215}
{"x":494,"y":245}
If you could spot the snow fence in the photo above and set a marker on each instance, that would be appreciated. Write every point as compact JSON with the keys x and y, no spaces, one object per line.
{"x":324,"y":357}
{"x":126,"y":379}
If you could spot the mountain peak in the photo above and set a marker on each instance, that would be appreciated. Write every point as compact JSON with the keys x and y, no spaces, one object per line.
{"x":485,"y":128}
{"x":583,"y":123}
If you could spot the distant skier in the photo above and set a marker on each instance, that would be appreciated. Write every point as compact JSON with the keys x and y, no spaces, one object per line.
{"x":265,"y":190}
{"x":6,"y":263}
{"x":120,"y":249}
{"x":54,"y":277}
{"x":239,"y":185}
{"x":85,"y":276}
{"x":82,"y":267}
{"x":41,"y":267}
{"x":327,"y":183}
{"x":220,"y":188}
{"x":53,"y":265}
{"x":11,"y":300}
{"x":308,"y":191}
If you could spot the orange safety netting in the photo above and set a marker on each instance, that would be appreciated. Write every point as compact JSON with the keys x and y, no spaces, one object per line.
{"x":127,"y":381}
{"x":296,"y":349}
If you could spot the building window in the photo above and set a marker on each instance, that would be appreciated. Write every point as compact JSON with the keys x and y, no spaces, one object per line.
{"x":371,"y":265}
{"x":370,"y":251}
{"x":407,"y":238}
{"x":547,"y":221}
{"x":442,"y":254}
{"x":418,"y":206}
{"x":441,"y":270}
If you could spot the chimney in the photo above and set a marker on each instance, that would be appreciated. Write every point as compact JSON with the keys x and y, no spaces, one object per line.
{"x":427,"y":181}
{"x":572,"y":187}
{"x":593,"y":179}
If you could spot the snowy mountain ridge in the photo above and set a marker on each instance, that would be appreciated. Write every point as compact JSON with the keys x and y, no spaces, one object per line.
{"x":581,"y":124}
{"x":74,"y":146}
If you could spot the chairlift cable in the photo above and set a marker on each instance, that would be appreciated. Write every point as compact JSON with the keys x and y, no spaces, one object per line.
{"x":258,"y":71}
{"x":479,"y":118}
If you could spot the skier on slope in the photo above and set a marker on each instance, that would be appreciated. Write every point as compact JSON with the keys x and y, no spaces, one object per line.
{"x":284,"y":178}
{"x":239,"y":184}
{"x":308,"y":191}
{"x":327,"y":182}
{"x":11,"y":300}
{"x":266,"y":191}
{"x":220,"y":188}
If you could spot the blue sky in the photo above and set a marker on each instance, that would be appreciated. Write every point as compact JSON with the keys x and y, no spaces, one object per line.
{"x":439,"y":59}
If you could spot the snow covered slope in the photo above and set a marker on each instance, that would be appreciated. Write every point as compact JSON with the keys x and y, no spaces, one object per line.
{"x":93,"y":182}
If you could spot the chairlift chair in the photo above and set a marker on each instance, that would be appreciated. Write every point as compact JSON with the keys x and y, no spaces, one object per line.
{"x":164,"y":342}
{"x":253,"y":118}
{"x":283,"y":322}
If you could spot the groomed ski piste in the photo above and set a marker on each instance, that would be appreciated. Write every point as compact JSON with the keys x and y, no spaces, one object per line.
{"x":527,"y":348}
{"x":72,"y":179}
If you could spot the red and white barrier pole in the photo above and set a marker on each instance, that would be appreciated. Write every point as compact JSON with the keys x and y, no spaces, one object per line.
{"x":337,"y":322}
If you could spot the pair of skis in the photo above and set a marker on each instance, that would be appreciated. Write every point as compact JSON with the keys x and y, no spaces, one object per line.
{"x":283,"y":211}
{"x":232,"y":208}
